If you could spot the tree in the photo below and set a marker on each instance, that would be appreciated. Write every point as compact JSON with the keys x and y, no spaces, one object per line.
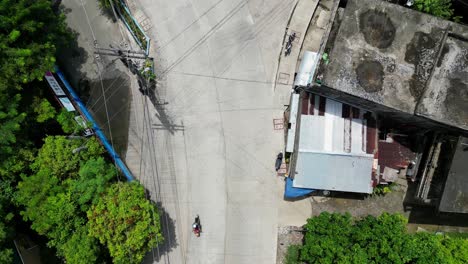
{"x":59,"y":156}
{"x":34,"y":191}
{"x":80,"y":248}
{"x":438,"y":8}
{"x":94,"y":178}
{"x":43,"y":109}
{"x":6,"y":253}
{"x":29,"y":33}
{"x":54,"y":213}
{"x":63,"y":186}
{"x":66,"y":120}
{"x":125,"y":221}
{"x":337,"y":238}
{"x":327,"y":238}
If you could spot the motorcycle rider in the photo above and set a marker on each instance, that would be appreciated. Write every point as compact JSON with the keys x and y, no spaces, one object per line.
{"x":196,"y":226}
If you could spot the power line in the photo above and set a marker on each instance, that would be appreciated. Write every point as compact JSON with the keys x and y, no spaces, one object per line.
{"x":127,"y":55}
{"x":146,"y":114}
{"x":105,"y":103}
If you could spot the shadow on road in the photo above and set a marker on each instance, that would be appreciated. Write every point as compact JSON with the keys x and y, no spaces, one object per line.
{"x":166,"y":122}
{"x":170,"y":241}
{"x":71,"y":59}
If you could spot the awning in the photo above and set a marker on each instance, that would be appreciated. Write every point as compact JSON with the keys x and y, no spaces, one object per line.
{"x":291,"y":192}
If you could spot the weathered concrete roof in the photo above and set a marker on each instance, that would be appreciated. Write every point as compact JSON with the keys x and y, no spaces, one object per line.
{"x":446,"y":97}
{"x":403,"y":59}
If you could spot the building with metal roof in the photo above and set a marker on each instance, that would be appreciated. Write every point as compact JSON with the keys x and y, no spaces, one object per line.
{"x":334,"y":151}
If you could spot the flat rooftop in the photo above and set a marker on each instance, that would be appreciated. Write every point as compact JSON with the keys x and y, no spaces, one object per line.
{"x":455,"y":195}
{"x":403,"y":59}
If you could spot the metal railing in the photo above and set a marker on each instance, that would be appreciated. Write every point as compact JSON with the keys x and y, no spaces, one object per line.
{"x":136,"y":30}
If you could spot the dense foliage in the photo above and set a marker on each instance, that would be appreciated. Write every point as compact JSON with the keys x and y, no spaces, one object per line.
{"x":53,"y":197}
{"x":53,"y":181}
{"x":438,"y":8}
{"x":123,"y":221}
{"x":29,"y":33}
{"x":337,"y":238}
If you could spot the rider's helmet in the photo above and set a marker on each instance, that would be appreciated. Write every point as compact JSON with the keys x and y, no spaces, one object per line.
{"x":194,"y":226}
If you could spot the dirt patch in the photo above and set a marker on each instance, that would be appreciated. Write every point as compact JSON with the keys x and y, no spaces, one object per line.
{"x":370,"y":76}
{"x":377,"y":28}
{"x":359,"y":205}
{"x":287,"y":235}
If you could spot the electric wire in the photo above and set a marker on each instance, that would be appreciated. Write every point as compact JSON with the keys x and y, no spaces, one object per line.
{"x":141,"y":155}
{"x":146,"y":113}
{"x":105,"y":107}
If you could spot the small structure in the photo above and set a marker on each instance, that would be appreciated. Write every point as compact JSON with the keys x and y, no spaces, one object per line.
{"x":387,"y":62}
{"x":410,"y":70}
{"x":335,"y":148}
{"x":455,"y":195}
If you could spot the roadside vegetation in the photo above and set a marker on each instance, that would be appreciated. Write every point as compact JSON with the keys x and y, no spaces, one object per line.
{"x":65,"y":189}
{"x":120,"y":9}
{"x":438,"y":8}
{"x":338,"y":238}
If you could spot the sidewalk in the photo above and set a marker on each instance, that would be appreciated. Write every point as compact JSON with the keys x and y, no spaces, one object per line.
{"x":298,"y":24}
{"x":311,"y":22}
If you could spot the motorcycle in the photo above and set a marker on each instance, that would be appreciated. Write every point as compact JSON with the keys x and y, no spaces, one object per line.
{"x":196,"y":226}
{"x":279,"y":160}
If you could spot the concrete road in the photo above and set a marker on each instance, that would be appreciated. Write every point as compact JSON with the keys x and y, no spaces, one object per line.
{"x":214,"y":142}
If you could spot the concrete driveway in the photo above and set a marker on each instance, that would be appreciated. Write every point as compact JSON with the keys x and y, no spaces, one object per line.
{"x":214,"y":142}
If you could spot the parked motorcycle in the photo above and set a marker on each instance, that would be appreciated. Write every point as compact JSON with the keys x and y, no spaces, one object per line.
{"x":279,"y":161}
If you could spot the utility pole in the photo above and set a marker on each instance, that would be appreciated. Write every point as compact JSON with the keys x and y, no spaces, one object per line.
{"x":136,"y":61}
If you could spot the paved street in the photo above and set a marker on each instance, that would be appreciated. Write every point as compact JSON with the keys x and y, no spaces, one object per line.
{"x":214,"y":142}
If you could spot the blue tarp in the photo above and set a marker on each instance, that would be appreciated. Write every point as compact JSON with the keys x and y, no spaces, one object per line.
{"x":118,"y":161}
{"x":291,"y":192}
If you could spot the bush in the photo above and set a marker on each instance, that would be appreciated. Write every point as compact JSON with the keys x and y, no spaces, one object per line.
{"x":292,"y":255}
{"x":438,"y":8}
{"x":337,"y":238}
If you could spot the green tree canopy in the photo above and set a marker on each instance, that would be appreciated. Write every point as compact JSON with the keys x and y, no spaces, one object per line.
{"x":59,"y":155}
{"x":43,"y":109}
{"x":63,"y":187}
{"x":337,"y":238}
{"x":6,"y":253}
{"x":94,"y":178}
{"x":126,"y":222}
{"x":66,"y":120}
{"x":29,"y":33}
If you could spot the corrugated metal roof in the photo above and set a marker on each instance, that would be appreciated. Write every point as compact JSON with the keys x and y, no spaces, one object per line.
{"x":333,"y":148}
{"x":306,"y":69}
{"x":292,"y":121}
{"x":331,"y":132}
{"x":335,"y":172}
